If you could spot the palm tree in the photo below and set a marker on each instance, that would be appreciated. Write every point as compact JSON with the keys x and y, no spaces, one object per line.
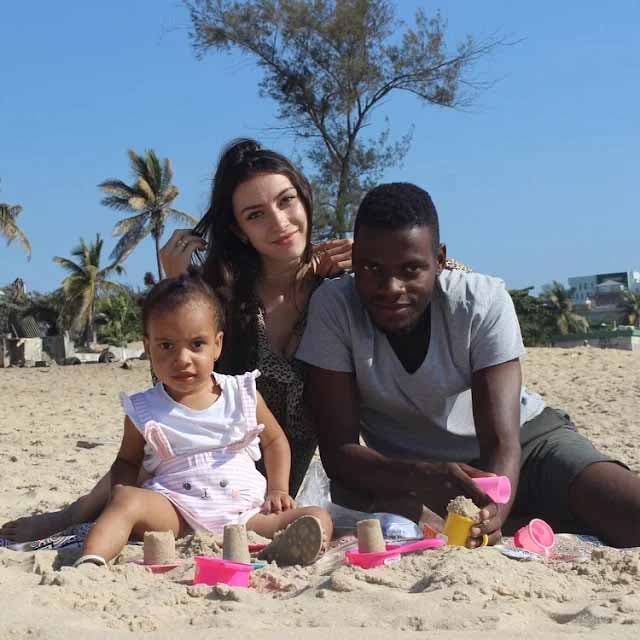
{"x":85,"y":283}
{"x":9,"y":227}
{"x":121,"y":314}
{"x":631,"y":306}
{"x":558,"y":301}
{"x":150,"y":199}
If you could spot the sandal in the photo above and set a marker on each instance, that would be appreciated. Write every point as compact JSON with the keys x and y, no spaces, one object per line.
{"x":300,"y":543}
{"x":91,"y":559}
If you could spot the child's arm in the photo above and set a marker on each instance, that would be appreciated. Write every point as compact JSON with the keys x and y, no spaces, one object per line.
{"x":277,"y":460}
{"x":126,"y":466}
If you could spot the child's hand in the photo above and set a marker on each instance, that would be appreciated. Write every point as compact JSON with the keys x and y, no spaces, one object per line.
{"x":277,"y":501}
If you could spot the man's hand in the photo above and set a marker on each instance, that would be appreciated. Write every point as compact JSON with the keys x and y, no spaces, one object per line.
{"x":490,"y":521}
{"x":444,"y":481}
{"x":277,"y":501}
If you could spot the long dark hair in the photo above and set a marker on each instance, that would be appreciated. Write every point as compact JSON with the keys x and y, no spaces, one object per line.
{"x":231,"y":266}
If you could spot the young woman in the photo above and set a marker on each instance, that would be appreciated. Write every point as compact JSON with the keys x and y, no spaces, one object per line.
{"x":254,"y":243}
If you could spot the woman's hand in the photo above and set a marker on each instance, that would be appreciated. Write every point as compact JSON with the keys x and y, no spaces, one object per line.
{"x":175,"y":256}
{"x":332,"y":257}
{"x":277,"y":501}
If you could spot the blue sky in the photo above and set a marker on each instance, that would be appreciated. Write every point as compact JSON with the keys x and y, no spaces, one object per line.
{"x":535,"y":183}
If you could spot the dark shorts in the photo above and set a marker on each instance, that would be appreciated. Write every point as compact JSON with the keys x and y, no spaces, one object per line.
{"x":553,"y":455}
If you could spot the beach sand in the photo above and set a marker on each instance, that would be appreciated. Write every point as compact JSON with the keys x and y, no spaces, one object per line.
{"x":50,"y":420}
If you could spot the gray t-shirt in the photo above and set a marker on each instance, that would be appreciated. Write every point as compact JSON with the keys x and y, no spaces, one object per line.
{"x":427,"y":413}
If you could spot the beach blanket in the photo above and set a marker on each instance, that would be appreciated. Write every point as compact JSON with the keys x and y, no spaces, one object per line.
{"x":70,"y":538}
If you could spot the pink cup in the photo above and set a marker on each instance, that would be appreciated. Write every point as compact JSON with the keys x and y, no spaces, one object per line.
{"x":215,"y":570}
{"x":537,"y":537}
{"x":498,"y":488}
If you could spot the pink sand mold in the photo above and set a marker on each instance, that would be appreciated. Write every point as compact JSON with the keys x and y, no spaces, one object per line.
{"x":157,"y":568}
{"x":215,"y":570}
{"x":391,"y":554}
{"x":498,"y":488}
{"x":537,"y":537}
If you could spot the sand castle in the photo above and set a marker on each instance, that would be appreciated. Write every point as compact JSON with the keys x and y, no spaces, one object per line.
{"x":159,"y":547}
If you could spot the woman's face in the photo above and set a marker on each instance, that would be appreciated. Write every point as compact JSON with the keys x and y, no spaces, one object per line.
{"x":270,"y":216}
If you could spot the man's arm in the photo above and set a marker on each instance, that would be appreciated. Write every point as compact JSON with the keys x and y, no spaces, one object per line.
{"x":496,"y":413}
{"x":336,"y":412}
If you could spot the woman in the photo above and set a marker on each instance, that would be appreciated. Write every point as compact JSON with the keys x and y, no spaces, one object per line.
{"x":256,"y":234}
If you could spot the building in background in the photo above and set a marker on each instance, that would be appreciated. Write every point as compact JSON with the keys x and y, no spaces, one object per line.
{"x":599,"y":296}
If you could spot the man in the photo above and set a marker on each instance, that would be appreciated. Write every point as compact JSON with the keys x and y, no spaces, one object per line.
{"x":424,"y":364}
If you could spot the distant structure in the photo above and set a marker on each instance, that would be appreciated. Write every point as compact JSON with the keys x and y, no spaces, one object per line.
{"x":599,"y":296}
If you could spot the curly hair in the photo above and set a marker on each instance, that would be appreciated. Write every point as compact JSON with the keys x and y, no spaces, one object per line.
{"x":398,"y":205}
{"x":232,"y":266}
{"x":171,"y":293}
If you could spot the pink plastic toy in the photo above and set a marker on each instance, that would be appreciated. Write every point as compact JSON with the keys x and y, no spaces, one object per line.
{"x":391,"y":554}
{"x":498,"y":488}
{"x":537,"y":536}
{"x":215,"y":570}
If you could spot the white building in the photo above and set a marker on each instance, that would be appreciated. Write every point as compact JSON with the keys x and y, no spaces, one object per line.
{"x":585,"y":288}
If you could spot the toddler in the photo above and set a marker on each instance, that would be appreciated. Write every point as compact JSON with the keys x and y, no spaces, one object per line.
{"x":199,"y":434}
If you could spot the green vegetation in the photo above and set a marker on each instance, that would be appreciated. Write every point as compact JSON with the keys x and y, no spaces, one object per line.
{"x":86,"y":282}
{"x":329,"y":65}
{"x":119,"y":314}
{"x":150,"y":197}
{"x":536,"y":321}
{"x":631,"y":307}
{"x":558,"y":301}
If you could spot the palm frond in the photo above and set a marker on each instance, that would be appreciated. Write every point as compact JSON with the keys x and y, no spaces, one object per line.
{"x":9,"y":227}
{"x":116,"y":187}
{"x":167,"y":174}
{"x":181,"y":217}
{"x":116,"y":202}
{"x":138,"y":203}
{"x":130,"y":240}
{"x":95,"y":251}
{"x":22,"y":239}
{"x":112,"y":287}
{"x":129,"y":223}
{"x":170,"y":194}
{"x":69,"y":265}
{"x":138,"y":164}
{"x":155,"y":171}
{"x":143,"y":188}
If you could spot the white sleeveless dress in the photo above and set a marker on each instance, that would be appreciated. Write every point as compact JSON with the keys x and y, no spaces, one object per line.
{"x":203,"y":461}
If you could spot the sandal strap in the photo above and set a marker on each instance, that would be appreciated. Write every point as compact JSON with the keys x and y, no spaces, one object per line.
{"x":91,"y":559}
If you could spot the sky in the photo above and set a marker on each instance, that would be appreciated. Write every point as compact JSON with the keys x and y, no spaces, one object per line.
{"x":538,"y":181}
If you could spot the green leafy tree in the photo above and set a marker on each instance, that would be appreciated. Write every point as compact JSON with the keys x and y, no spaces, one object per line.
{"x":120,"y":313}
{"x":631,"y":307}
{"x":150,"y":198}
{"x":329,"y":65}
{"x":536,"y":322}
{"x":9,"y":226}
{"x":84,"y":285}
{"x":558,"y":301}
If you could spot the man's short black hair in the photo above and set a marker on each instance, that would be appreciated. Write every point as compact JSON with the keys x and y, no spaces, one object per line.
{"x":398,"y":205}
{"x":171,"y":293}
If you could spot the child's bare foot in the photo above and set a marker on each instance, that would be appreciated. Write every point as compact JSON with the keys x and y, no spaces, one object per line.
{"x":300,"y":543}
{"x":35,"y":527}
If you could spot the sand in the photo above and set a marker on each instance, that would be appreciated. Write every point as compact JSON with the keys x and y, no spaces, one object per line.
{"x":60,"y":428}
{"x":463,"y":507}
